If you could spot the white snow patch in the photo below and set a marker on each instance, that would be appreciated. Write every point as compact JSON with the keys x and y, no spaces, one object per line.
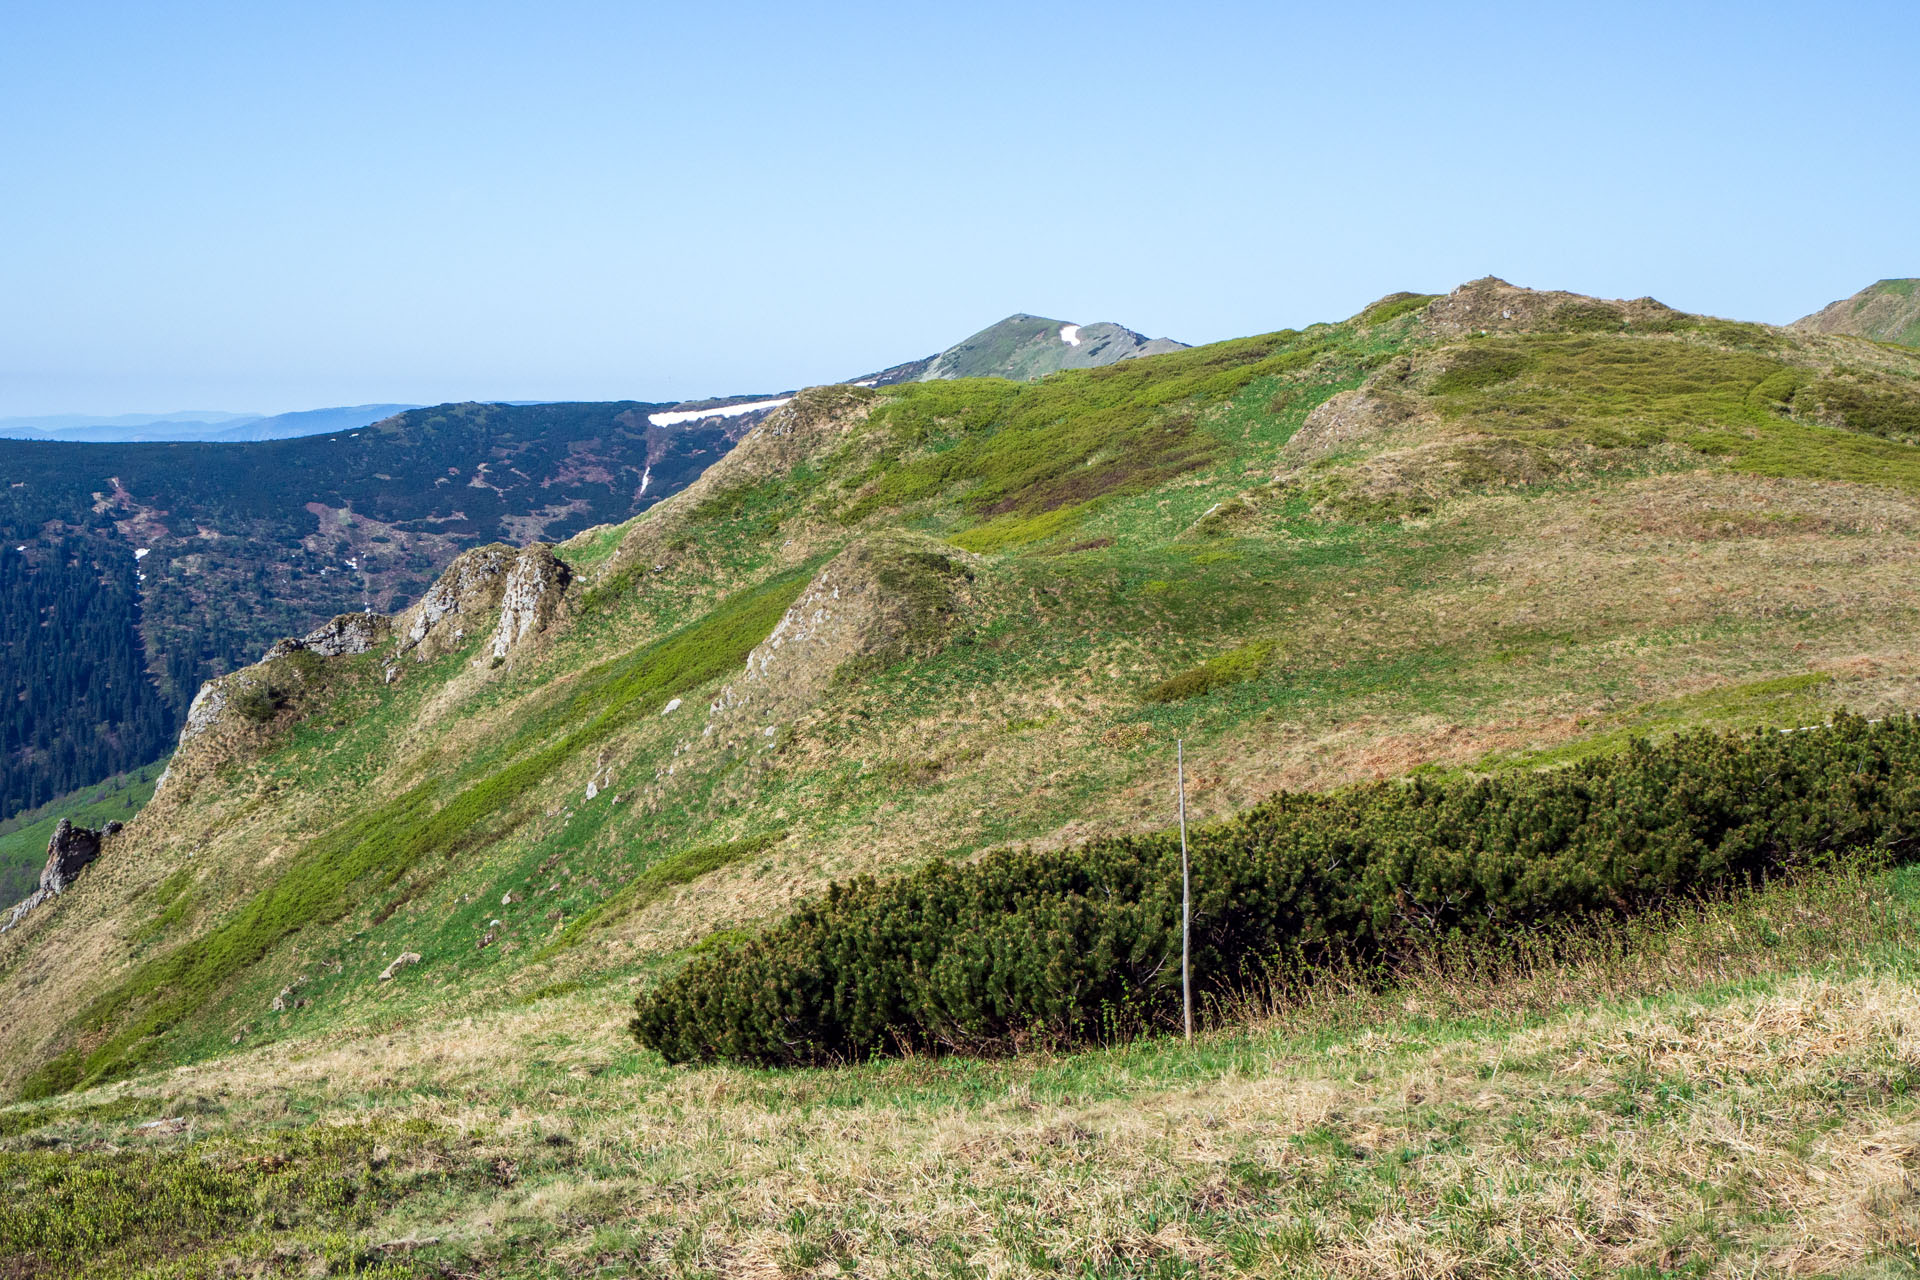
{"x":139,"y":553}
{"x":646,"y":478}
{"x":870,"y":382}
{"x":725,"y":411}
{"x":1070,"y":334}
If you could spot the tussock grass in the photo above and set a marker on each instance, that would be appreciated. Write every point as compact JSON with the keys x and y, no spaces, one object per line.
{"x":288,"y":1202}
{"x":1025,"y":451}
{"x":1233,"y":667}
{"x":1721,"y":1089}
{"x":1730,"y":400}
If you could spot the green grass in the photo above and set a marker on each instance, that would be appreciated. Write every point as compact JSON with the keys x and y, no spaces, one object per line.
{"x":591,"y":548}
{"x":1546,"y":382}
{"x":1318,"y":1125}
{"x":382,"y":843}
{"x":209,"y":1206}
{"x":1016,"y":530}
{"x":1025,"y":450}
{"x":1793,"y":701}
{"x":1794,"y":450}
{"x":1393,"y":306}
{"x":1236,"y":666}
{"x":1640,"y":389}
{"x":644,"y":889}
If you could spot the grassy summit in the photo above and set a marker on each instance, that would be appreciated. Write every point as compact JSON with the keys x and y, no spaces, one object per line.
{"x":1886,"y":311}
{"x":1478,"y":533}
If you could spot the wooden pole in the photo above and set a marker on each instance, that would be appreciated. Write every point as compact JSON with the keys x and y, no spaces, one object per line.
{"x":1186,"y":890}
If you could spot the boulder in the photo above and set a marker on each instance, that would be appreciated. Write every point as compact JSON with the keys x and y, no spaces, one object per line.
{"x":68,"y":852}
{"x":404,"y":959}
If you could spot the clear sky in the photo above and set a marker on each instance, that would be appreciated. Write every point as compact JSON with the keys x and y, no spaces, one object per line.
{"x":272,"y":206}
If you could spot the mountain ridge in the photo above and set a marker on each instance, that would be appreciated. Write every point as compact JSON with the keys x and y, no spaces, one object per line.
{"x":195,"y":426}
{"x":415,"y":868}
{"x":1885,"y":311}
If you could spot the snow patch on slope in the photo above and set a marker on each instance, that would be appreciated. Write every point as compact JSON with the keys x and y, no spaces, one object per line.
{"x":725,"y":411}
{"x":1070,"y":334}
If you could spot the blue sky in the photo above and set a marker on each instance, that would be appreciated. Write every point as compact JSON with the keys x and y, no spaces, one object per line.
{"x":271,"y":207}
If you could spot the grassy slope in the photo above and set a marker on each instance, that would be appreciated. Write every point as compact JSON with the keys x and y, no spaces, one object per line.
{"x":1730,"y":1092}
{"x":1886,"y":311}
{"x":1619,"y":532}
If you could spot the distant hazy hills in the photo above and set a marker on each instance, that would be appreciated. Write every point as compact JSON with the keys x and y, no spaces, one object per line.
{"x":1887,"y":311}
{"x":205,"y":424}
{"x":1021,"y":347}
{"x":1024,"y":347}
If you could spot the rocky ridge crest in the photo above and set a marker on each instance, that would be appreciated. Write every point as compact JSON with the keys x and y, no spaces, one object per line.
{"x":518,"y":592}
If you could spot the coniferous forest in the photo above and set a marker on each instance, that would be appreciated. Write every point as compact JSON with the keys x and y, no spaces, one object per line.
{"x":70,"y":633}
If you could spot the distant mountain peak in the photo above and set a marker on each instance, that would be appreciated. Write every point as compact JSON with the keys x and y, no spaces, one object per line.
{"x":1023,"y":347}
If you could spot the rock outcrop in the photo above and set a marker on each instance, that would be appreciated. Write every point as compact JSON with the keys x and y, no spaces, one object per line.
{"x":875,"y":603}
{"x":204,"y":711}
{"x":811,"y":425}
{"x":535,"y":591}
{"x":1347,"y":419}
{"x":68,"y":853}
{"x":1491,"y":305}
{"x":349,"y":633}
{"x":518,"y":592}
{"x":458,"y":603}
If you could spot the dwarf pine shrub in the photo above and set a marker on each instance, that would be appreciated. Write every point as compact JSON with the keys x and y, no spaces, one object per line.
{"x":1082,"y":945}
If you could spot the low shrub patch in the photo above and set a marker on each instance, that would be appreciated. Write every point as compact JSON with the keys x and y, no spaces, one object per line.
{"x":1234,"y":667}
{"x":1885,"y":409}
{"x":1082,"y":945}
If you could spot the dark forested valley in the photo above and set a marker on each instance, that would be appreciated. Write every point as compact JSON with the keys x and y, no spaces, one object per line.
{"x":130,"y":573}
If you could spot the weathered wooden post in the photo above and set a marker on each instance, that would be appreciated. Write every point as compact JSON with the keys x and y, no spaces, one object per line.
{"x":1186,"y":890}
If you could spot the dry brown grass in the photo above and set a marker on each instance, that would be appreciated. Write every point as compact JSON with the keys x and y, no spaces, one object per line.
{"x":1726,"y":1090}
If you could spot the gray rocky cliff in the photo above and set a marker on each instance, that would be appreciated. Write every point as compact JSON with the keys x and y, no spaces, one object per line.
{"x":536,"y":588}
